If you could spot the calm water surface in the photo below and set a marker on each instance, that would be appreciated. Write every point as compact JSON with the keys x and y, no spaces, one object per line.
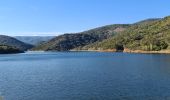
{"x":85,"y":76}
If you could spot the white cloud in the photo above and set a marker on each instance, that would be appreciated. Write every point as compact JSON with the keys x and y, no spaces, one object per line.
{"x":33,"y":34}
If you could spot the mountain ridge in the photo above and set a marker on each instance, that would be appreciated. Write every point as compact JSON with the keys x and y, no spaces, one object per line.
{"x":69,"y":41}
{"x":10,"y":41}
{"x":153,"y":36}
{"x":145,"y":35}
{"x":34,"y":40}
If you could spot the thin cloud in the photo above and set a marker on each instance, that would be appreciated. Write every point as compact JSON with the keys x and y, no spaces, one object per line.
{"x":33,"y":34}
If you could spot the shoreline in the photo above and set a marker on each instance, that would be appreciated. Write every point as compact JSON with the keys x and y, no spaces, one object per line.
{"x":147,"y":52}
{"x":129,"y":51}
{"x":114,"y":50}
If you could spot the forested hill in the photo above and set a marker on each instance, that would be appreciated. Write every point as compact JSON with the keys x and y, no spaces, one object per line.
{"x":10,"y":41}
{"x":4,"y":49}
{"x":146,"y":35}
{"x":146,"y":21}
{"x":151,"y":36}
{"x":73,"y":40}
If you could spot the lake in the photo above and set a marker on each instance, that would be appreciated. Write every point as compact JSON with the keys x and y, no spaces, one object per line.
{"x":84,"y":76}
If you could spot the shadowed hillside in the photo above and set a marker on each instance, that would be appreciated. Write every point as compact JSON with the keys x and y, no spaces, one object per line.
{"x":10,"y":41}
{"x":73,"y":40}
{"x":4,"y":49}
{"x":146,"y":35}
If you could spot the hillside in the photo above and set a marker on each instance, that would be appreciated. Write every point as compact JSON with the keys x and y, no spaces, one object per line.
{"x":147,"y":21}
{"x":4,"y":49}
{"x":74,"y":40}
{"x":34,"y":40}
{"x":152,"y":36}
{"x":10,"y":41}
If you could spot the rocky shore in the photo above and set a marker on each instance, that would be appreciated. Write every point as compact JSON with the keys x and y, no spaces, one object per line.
{"x":128,"y":51}
{"x":141,"y":51}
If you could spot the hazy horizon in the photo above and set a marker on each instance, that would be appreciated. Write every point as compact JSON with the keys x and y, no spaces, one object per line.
{"x":55,"y":17}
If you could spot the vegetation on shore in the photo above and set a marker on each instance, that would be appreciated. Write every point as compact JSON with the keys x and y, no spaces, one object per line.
{"x":4,"y":49}
{"x":10,"y":41}
{"x":147,"y":35}
{"x":74,"y":40}
{"x":151,"y":36}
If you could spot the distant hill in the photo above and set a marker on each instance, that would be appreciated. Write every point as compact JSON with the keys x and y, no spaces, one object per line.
{"x":34,"y":40}
{"x":73,"y":40}
{"x":152,"y":36}
{"x":10,"y":41}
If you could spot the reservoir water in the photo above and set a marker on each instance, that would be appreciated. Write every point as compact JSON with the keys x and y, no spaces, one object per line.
{"x":85,"y":76}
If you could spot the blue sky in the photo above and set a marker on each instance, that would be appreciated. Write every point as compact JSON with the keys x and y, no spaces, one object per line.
{"x":53,"y":17}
